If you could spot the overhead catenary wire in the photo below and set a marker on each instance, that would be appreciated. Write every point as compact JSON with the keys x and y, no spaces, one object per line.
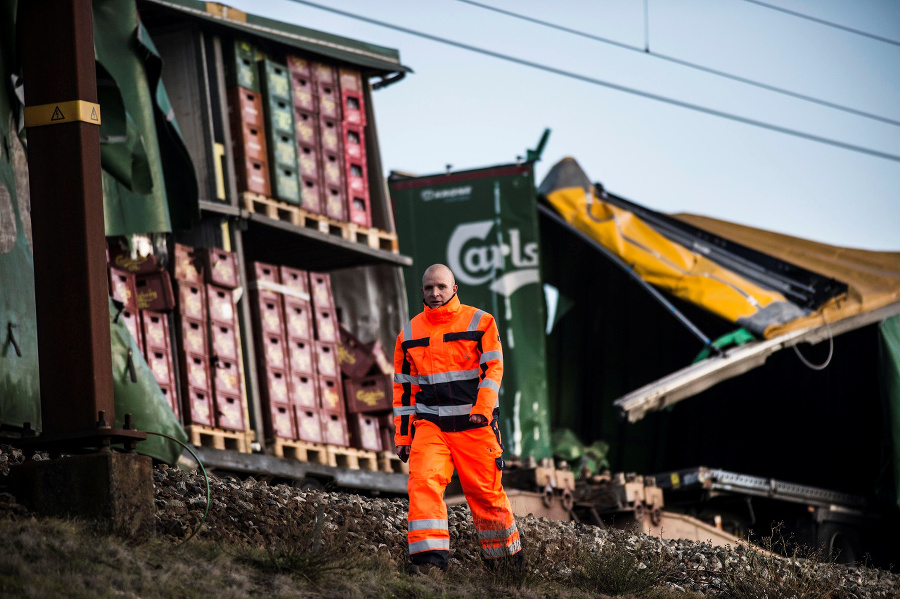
{"x":691,"y":65}
{"x":607,"y":84}
{"x":801,"y":15}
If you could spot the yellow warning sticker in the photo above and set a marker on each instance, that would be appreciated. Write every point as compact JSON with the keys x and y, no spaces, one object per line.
{"x":62,"y":112}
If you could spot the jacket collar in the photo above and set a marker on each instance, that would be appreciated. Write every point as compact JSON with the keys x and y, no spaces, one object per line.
{"x":444,"y":313}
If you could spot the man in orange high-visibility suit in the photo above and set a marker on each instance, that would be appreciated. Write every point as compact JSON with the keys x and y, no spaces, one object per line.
{"x":448,"y":364}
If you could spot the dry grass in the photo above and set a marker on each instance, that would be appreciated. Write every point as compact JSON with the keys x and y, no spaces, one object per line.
{"x":55,"y":558}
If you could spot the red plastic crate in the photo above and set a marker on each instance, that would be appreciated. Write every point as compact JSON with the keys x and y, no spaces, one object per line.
{"x":353,"y":356}
{"x":354,"y":143}
{"x":223,"y":341}
{"x":386,"y":430}
{"x":191,"y":300}
{"x":266,"y":308}
{"x":133,"y":323}
{"x":226,"y":377}
{"x":304,"y":390}
{"x":304,"y":94}
{"x":330,"y":396}
{"x":260,"y":271}
{"x":229,"y":412}
{"x":353,"y":109}
{"x":221,"y":305}
{"x":298,"y":319}
{"x":385,"y":365}
{"x":221,"y":267}
{"x":156,"y":329}
{"x":154,"y":292}
{"x":334,"y":428}
{"x":369,"y":395}
{"x":194,"y":336}
{"x":186,"y":264}
{"x":308,"y":161}
{"x":350,"y":79}
{"x":311,"y":195}
{"x":122,"y":287}
{"x":120,"y":257}
{"x":335,"y":202}
{"x":328,"y":98}
{"x":195,"y":371}
{"x":300,"y":66}
{"x":198,"y":407}
{"x":159,"y":360}
{"x":326,"y":325}
{"x":359,"y":209}
{"x":306,"y":125}
{"x":245,"y":106}
{"x":324,"y":72}
{"x":253,"y":176}
{"x":281,"y":422}
{"x":330,"y":136}
{"x":309,"y":424}
{"x":296,"y":279}
{"x":364,"y":432}
{"x":300,"y":356}
{"x":273,"y":351}
{"x":326,"y":358}
{"x":168,"y":392}
{"x":320,"y":290}
{"x":249,"y":142}
{"x":274,"y":387}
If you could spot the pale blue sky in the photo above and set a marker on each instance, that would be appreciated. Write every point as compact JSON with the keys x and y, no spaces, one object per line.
{"x":471,"y":110}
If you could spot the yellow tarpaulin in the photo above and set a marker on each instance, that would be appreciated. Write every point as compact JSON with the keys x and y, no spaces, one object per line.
{"x":659,"y":261}
{"x":873,"y":278}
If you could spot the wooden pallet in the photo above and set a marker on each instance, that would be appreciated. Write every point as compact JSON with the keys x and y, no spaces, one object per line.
{"x":274,"y":209}
{"x":303,"y":451}
{"x":354,"y":459}
{"x":374,"y":238}
{"x":203,"y":436}
{"x":389,"y":462}
{"x":259,"y":204}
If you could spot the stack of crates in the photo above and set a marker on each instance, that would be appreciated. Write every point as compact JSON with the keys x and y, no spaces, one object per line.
{"x":221,"y":275}
{"x":368,"y":395}
{"x":334,"y":182}
{"x":193,"y":337}
{"x":146,"y":292}
{"x":245,"y":111}
{"x":281,"y":136}
{"x":331,"y":397}
{"x":309,"y":145}
{"x":302,"y":378}
{"x":267,"y":310}
{"x":354,"y":142}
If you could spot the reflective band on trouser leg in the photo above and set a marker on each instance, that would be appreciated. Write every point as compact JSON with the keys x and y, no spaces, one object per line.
{"x":430,"y":469}
{"x":474,"y":453}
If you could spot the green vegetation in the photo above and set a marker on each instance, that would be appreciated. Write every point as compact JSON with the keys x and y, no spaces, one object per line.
{"x":56,"y":558}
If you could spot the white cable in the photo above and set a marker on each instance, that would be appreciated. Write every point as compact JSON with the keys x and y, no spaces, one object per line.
{"x":827,"y":361}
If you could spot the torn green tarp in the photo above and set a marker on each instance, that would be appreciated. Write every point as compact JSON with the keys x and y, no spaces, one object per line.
{"x":138,"y":394}
{"x":889,"y":358}
{"x":133,"y":201}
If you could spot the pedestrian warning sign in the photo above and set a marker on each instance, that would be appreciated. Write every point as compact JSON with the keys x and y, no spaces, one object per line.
{"x":62,"y":112}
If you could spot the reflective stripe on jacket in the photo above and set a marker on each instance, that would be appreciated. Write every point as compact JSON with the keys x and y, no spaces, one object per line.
{"x":449,"y":364}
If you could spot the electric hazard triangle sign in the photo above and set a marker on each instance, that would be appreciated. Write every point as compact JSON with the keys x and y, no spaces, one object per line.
{"x":58,"y":115}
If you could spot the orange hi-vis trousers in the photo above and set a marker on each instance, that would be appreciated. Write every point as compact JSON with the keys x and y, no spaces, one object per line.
{"x":432,"y":459}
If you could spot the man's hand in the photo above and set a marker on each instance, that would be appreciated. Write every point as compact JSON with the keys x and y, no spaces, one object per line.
{"x":477,"y":419}
{"x":403,"y":453}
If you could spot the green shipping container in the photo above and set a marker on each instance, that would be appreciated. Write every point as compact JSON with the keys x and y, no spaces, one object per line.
{"x":483,"y":225}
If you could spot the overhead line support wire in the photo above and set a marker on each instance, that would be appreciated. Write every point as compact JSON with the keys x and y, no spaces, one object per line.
{"x":692,"y":65}
{"x":886,"y":40}
{"x":600,"y":82}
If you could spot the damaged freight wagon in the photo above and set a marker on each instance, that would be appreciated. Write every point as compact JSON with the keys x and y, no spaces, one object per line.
{"x":661,"y":308}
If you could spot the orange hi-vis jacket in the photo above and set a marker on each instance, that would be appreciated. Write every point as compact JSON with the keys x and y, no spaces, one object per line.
{"x":448,"y":364}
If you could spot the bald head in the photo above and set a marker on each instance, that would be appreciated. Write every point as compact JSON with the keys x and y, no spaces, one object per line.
{"x":438,"y":285}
